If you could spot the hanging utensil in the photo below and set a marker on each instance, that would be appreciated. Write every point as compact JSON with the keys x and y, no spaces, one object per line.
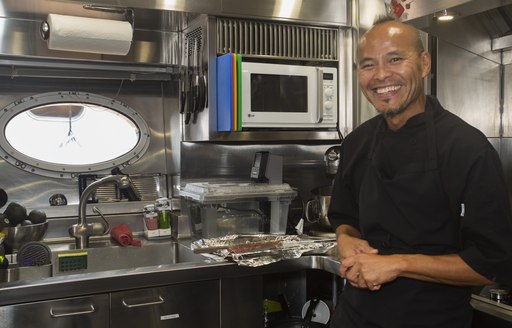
{"x":190,"y":82}
{"x":204,"y":69}
{"x":202,"y":80}
{"x":196,"y":79}
{"x":183,"y":80}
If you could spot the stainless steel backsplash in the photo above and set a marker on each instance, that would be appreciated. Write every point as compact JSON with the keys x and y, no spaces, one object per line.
{"x":303,"y":164}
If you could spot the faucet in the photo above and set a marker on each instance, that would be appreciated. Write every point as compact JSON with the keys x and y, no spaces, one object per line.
{"x":82,"y":230}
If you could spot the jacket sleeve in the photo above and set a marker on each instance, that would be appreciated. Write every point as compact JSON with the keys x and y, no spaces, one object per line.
{"x":486,"y":226}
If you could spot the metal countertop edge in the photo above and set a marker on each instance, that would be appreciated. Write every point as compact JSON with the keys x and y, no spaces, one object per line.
{"x":492,"y":308}
{"x":75,"y":285}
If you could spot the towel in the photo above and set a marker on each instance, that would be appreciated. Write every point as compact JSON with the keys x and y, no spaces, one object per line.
{"x":123,"y":235}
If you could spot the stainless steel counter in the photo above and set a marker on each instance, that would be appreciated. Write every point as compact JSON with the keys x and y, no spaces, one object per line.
{"x":180,"y":265}
{"x":186,"y":267}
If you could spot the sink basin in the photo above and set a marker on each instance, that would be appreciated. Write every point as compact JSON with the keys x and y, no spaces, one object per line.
{"x":104,"y":255}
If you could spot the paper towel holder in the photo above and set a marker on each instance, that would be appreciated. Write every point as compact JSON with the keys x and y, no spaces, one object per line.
{"x":128,"y":13}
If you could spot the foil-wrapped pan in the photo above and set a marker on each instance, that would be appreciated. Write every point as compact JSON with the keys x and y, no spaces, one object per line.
{"x":258,"y":250}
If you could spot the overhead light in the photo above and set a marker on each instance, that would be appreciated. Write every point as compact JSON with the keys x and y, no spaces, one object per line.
{"x":445,"y":15}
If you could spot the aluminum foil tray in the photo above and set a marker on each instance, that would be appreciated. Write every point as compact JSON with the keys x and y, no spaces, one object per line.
{"x":258,"y":250}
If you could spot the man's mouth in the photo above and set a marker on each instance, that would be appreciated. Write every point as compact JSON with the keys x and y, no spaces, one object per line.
{"x":387,"y":89}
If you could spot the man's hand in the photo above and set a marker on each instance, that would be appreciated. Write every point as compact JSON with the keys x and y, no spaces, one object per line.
{"x":370,"y":270}
{"x":350,"y":245}
{"x":363,"y":267}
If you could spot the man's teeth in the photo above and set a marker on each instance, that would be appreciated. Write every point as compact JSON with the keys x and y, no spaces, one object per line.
{"x":388,"y":89}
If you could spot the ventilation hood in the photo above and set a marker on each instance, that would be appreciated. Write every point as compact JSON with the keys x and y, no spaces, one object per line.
{"x":483,"y":27}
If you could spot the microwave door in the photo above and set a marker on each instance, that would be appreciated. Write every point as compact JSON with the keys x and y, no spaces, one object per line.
{"x":279,"y":99}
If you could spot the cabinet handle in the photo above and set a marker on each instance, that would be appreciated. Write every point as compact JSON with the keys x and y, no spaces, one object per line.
{"x":55,"y":315}
{"x":160,"y":301}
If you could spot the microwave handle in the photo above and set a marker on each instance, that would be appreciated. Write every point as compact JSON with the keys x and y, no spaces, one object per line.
{"x":320,"y":95}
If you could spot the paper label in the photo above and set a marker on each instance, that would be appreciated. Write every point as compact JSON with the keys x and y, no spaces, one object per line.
{"x":170,"y":316}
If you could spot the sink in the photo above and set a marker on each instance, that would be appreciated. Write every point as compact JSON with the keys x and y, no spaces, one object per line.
{"x":105,"y":255}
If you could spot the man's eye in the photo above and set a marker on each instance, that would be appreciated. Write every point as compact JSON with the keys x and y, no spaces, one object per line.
{"x":396,"y":59}
{"x":366,"y":66}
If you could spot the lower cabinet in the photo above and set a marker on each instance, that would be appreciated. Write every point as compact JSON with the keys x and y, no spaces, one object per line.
{"x":78,"y":312}
{"x":184,"y":305}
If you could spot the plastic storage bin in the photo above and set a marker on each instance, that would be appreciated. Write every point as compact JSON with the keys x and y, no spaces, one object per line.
{"x":216,"y":209}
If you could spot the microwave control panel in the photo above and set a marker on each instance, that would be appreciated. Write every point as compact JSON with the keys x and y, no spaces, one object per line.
{"x":329,"y":103}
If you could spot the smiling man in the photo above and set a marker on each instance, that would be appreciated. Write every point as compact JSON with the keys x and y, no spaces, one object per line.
{"x":420,"y":202}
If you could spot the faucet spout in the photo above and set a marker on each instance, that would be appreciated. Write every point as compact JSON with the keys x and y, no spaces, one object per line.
{"x":82,"y":230}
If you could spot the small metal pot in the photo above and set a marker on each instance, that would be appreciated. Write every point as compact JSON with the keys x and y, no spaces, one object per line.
{"x":316,"y":209}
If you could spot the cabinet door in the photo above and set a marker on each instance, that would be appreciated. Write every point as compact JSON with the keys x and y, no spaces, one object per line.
{"x":178,"y":306}
{"x":79,"y":312}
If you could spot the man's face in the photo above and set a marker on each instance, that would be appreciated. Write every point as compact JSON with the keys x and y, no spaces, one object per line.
{"x":391,"y":68}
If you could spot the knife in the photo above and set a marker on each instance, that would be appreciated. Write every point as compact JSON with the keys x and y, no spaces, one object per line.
{"x":202,"y":81}
{"x":183,"y":81}
{"x":195,"y":89}
{"x":188,"y":85}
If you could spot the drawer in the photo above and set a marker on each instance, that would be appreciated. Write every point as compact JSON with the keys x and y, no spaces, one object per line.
{"x":178,"y":306}
{"x":79,"y":312}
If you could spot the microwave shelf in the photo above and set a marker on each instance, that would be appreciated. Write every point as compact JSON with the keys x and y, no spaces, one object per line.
{"x":276,"y":135}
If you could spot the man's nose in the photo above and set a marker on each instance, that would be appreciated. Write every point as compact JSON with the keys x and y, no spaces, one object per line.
{"x":382,"y":72}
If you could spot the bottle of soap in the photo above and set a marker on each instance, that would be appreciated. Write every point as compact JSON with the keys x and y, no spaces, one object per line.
{"x":164,"y":216}
{"x":150,"y":217}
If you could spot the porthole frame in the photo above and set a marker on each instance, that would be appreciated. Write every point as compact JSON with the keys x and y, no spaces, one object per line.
{"x":70,"y":171}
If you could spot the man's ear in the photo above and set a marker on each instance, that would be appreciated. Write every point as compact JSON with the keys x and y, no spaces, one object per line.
{"x":426,"y":63}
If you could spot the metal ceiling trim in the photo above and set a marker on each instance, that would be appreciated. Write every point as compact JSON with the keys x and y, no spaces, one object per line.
{"x":502,"y":43}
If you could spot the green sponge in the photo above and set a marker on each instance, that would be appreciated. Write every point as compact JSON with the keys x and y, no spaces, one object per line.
{"x":72,"y":261}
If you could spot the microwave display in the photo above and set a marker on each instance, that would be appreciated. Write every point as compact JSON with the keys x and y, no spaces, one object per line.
{"x":279,"y":93}
{"x":328,"y":76}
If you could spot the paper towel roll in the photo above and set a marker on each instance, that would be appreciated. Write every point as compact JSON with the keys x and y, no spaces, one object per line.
{"x":93,"y":35}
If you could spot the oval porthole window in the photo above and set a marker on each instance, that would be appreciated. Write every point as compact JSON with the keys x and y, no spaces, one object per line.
{"x":69,"y":133}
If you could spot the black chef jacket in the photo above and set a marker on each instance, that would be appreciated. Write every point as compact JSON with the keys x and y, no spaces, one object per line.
{"x":473,"y":192}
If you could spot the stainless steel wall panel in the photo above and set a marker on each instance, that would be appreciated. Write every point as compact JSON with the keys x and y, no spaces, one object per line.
{"x":468,"y":85}
{"x":421,"y":12}
{"x":318,"y":11}
{"x":155,"y":101}
{"x":154,"y":37}
{"x":212,"y":7}
{"x":475,"y":26}
{"x":468,"y":33}
{"x":303,"y":163}
{"x":368,"y":11}
{"x":327,"y":12}
{"x":507,"y":57}
{"x":507,"y":102}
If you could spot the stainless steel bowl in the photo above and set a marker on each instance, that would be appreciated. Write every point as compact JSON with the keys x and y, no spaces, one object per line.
{"x":19,"y":235}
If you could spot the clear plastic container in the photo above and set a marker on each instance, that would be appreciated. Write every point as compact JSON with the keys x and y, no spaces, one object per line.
{"x":212,"y":208}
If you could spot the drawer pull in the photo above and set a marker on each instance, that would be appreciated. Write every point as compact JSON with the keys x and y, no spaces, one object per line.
{"x":160,"y":301}
{"x":60,"y":315}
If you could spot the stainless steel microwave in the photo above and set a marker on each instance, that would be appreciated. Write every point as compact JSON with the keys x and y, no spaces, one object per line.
{"x":288,"y":96}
